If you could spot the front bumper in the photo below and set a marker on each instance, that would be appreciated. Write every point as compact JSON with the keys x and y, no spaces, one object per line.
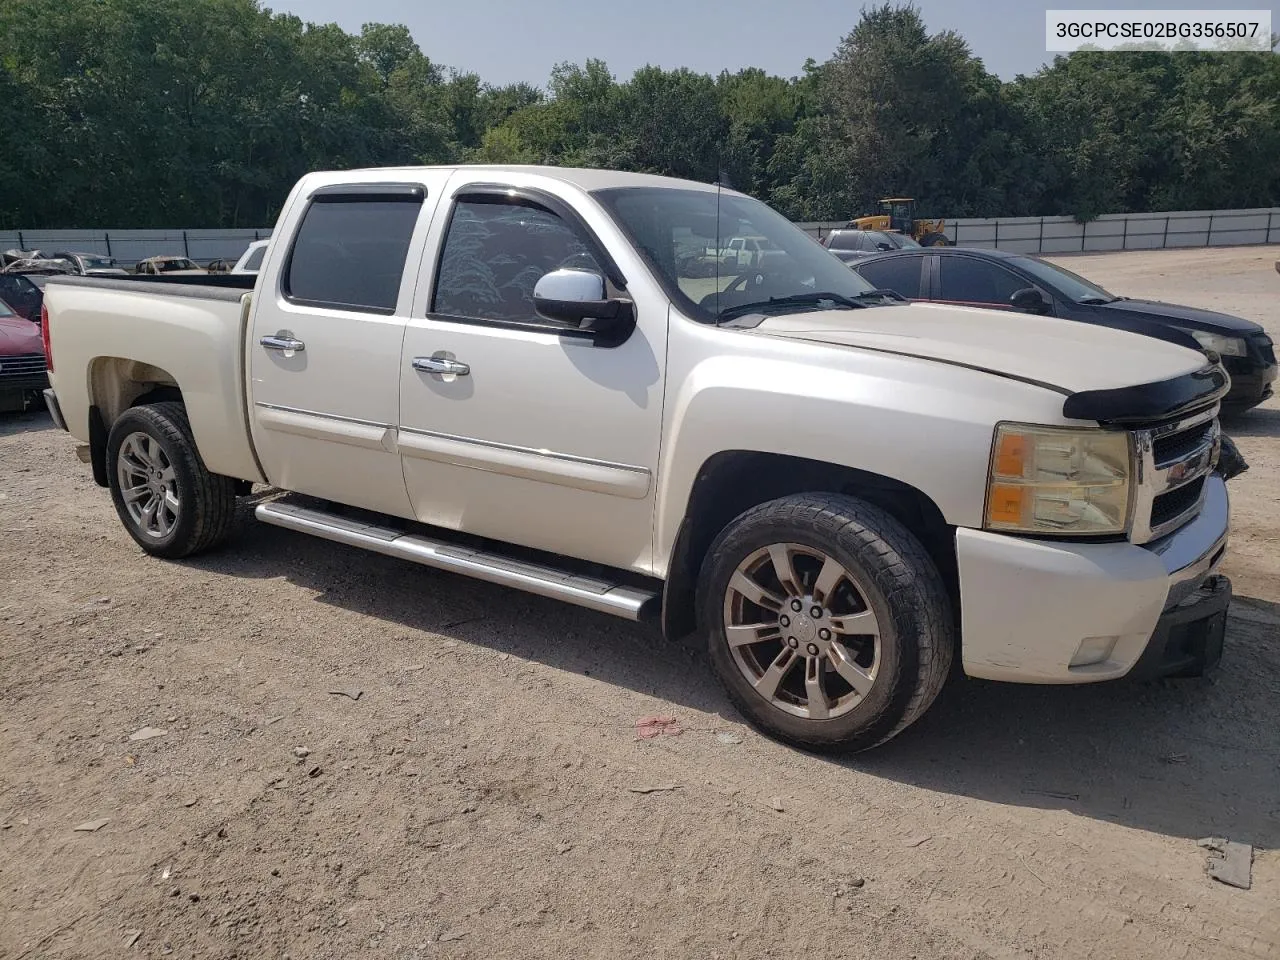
{"x":1252,"y":381}
{"x":1045,"y":611}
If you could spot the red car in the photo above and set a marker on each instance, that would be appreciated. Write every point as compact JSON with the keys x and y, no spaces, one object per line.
{"x":22,"y":367}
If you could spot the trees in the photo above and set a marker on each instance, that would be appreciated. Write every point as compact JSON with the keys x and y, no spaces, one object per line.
{"x":200,"y":112}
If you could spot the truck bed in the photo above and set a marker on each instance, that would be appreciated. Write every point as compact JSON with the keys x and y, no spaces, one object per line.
{"x":109,"y":334}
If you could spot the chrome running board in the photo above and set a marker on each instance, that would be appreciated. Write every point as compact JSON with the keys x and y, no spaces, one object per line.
{"x":630,"y":603}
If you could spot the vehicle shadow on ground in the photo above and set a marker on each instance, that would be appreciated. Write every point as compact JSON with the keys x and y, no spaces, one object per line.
{"x":1188,"y":758}
{"x":1258,"y":422}
{"x":33,"y":420}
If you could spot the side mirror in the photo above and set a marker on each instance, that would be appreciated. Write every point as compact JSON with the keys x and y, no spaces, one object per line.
{"x":1029,"y":299}
{"x":578,"y":298}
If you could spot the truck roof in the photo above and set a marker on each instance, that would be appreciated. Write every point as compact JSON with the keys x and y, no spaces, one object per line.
{"x":581,"y":177}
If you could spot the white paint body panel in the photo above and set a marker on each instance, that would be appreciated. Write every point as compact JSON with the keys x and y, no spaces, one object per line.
{"x":198,"y":342}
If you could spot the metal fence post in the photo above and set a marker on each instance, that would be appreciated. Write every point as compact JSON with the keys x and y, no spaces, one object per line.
{"x":996,"y":242}
{"x":1040,"y":242}
{"x":1124,"y":236}
{"x":21,"y":243}
{"x":186,"y":247}
{"x":1164,"y":240}
{"x":1084,"y":233}
{"x":1208,"y":237}
{"x":107,"y":238}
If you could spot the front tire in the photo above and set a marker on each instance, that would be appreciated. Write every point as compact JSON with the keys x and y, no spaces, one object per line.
{"x":827,"y":622}
{"x":165,"y":496}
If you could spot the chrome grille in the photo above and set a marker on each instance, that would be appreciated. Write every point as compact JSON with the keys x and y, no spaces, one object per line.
{"x":21,"y":367}
{"x":1173,"y":460}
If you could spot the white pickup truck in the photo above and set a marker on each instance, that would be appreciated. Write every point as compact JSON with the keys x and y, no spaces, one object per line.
{"x":502,"y":372}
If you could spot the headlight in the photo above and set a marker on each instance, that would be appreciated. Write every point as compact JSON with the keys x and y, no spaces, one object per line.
{"x":1226,"y":346}
{"x":1048,"y":480}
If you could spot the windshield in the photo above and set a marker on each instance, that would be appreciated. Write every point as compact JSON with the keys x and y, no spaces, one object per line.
{"x":169,"y":266}
{"x":903,"y":242}
{"x":1070,"y":285}
{"x":686,"y":237}
{"x":98,"y":263}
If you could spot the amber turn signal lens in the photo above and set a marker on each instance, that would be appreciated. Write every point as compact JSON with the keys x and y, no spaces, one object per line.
{"x":1011,"y":455}
{"x":1006,"y":503}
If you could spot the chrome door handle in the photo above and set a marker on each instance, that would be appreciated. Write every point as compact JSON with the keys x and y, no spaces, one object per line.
{"x":441,"y":365}
{"x":282,"y":341}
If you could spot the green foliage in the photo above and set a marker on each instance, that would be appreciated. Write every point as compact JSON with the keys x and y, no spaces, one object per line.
{"x":146,"y":113}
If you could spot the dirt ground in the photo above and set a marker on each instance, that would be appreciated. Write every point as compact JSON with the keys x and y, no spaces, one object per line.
{"x":485,"y":795}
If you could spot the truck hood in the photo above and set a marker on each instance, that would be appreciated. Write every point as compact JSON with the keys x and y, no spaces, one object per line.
{"x":18,"y":337}
{"x":1066,"y":355}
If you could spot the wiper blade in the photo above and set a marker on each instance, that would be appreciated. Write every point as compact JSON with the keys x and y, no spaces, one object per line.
{"x":881,"y":293}
{"x":1095,"y":301}
{"x":799,"y":300}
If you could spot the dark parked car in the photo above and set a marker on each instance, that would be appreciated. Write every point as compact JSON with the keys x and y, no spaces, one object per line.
{"x":850,"y":245}
{"x":1011,"y":281}
{"x":20,"y":293}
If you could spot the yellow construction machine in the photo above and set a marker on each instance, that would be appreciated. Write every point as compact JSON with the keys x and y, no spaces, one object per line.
{"x":899,"y":216}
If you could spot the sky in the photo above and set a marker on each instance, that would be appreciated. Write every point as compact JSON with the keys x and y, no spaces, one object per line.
{"x":505,"y":41}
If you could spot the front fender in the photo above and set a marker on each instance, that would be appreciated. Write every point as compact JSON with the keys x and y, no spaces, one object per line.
{"x":926,"y":424}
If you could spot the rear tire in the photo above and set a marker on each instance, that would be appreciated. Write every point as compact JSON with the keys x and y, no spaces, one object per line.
{"x":852,"y":636}
{"x":164,"y":494}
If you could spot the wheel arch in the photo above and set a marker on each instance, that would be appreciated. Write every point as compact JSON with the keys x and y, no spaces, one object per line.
{"x":731,"y":482}
{"x":115,"y":385}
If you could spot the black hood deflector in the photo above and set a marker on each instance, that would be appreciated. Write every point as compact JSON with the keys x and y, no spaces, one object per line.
{"x":1150,"y":402}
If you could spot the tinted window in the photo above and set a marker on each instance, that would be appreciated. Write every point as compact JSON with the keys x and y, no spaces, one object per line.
{"x":968,"y":280}
{"x":494,"y":255}
{"x":899,"y":274}
{"x":846,"y":240}
{"x":255,"y":259}
{"x":350,"y":253}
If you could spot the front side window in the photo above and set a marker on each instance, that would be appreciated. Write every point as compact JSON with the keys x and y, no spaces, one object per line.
{"x":349,"y":252}
{"x":681,"y":234}
{"x":494,"y":255}
{"x":968,"y":280}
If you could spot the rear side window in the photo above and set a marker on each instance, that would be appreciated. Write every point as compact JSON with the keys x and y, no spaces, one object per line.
{"x":899,"y":274}
{"x":846,"y":240}
{"x":350,"y":251}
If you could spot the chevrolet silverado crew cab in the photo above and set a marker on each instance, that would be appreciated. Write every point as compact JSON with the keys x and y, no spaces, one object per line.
{"x":505,"y":372}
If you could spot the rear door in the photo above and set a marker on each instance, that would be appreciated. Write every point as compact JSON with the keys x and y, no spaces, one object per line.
{"x":324,"y":351}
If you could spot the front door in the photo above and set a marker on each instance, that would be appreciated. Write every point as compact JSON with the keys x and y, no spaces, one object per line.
{"x":324,"y":352}
{"x":539,"y":437}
